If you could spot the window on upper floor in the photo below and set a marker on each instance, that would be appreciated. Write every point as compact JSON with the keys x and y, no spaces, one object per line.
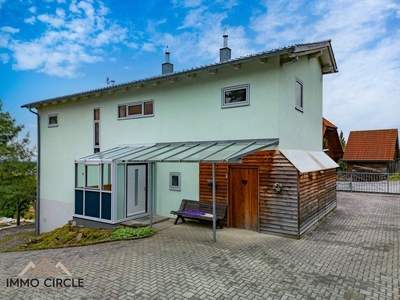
{"x":136,"y":109}
{"x":235,"y":96}
{"x":53,"y":120}
{"x":96,"y":123}
{"x":299,"y":94}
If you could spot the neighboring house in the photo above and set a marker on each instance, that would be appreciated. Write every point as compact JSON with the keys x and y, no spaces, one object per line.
{"x":144,"y":145}
{"x":373,"y":150}
{"x":331,"y":141}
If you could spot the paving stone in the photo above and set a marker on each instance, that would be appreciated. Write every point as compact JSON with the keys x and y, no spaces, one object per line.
{"x":352,"y":254}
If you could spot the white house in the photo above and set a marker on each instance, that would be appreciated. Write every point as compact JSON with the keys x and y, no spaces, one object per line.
{"x":100,"y":151}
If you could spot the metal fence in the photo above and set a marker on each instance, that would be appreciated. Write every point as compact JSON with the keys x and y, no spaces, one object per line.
{"x":385,"y":183}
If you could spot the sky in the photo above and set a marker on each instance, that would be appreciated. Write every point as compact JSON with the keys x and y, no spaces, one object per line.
{"x":51,"y":48}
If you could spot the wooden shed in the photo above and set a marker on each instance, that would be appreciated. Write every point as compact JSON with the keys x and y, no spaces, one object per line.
{"x":251,"y":190}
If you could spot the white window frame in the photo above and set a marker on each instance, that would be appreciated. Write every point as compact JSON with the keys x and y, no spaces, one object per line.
{"x":48,"y":120}
{"x":299,"y":82}
{"x":233,"y":88}
{"x":173,"y":187}
{"x":142,"y":115}
{"x":96,"y":147}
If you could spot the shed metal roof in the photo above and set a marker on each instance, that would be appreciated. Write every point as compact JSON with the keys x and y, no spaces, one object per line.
{"x":206,"y":151}
{"x":309,"y":161}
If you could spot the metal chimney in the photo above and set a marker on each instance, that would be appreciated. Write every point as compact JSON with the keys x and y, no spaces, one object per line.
{"x":167,"y":67}
{"x":225,"y":52}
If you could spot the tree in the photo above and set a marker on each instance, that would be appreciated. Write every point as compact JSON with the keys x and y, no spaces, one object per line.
{"x":342,"y":140}
{"x":17,"y":171}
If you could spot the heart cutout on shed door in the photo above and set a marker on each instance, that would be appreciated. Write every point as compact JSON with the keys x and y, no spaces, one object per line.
{"x":244,"y":181}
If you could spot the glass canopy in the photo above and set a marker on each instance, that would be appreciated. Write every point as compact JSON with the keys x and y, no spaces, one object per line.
{"x":209,"y":151}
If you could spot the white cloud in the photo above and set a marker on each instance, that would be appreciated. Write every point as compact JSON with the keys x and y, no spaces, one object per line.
{"x":60,"y":13}
{"x":131,"y":45}
{"x":199,"y":37}
{"x":148,"y":47}
{"x":9,"y":29}
{"x":227,"y":3}
{"x":72,"y":38}
{"x":30,"y":20}
{"x":33,"y":9}
{"x":52,"y":21}
{"x":187,"y":3}
{"x":4,"y":38}
{"x":4,"y":58}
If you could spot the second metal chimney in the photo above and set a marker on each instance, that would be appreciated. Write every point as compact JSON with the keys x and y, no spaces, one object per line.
{"x":167,"y":67}
{"x":225,"y":52}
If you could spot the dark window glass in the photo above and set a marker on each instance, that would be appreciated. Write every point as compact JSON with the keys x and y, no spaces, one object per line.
{"x":235,"y":96}
{"x":53,"y":120}
{"x":96,"y":114}
{"x":96,"y":134}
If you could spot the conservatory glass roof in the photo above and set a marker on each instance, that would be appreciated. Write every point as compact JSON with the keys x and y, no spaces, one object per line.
{"x":206,"y":151}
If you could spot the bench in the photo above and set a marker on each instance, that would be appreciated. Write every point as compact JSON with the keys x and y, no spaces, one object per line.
{"x":198,"y":210}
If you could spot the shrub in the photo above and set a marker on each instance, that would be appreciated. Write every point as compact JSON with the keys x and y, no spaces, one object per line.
{"x":394,"y":177}
{"x":129,"y":232}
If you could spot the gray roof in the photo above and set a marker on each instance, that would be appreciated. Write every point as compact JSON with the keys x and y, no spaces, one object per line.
{"x":323,"y":49}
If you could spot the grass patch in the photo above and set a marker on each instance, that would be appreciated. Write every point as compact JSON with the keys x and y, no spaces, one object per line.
{"x":62,"y":237}
{"x":128,"y":232}
{"x":394,"y":177}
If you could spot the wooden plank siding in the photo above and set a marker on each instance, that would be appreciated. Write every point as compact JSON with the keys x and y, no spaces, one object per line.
{"x":278,"y":212}
{"x":303,"y":201}
{"x":317,"y":197}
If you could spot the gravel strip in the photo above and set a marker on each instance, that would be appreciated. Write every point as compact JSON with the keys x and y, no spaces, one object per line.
{"x":17,"y":240}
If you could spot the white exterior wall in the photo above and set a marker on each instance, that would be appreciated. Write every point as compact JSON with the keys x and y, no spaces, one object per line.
{"x":186,"y":110}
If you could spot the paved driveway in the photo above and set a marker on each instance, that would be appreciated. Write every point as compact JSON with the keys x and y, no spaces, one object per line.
{"x":353,"y":254}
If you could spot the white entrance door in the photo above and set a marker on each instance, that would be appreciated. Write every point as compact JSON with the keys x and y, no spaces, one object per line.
{"x":136,"y":190}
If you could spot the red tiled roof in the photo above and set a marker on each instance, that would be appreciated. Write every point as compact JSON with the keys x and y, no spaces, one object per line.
{"x":372,"y":145}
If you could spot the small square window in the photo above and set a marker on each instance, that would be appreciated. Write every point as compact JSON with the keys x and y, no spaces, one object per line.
{"x":235,"y":96}
{"x":299,"y":94}
{"x":53,"y":121}
{"x":174,"y":181}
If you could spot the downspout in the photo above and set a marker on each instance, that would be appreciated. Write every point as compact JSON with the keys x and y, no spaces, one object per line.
{"x":214,"y":210}
{"x":37,"y":209}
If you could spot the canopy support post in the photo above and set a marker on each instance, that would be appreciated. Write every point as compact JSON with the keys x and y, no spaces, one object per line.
{"x":214,"y":205}
{"x":151,"y":189}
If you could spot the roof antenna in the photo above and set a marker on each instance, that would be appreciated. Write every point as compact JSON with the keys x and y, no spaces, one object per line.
{"x":108,"y":81}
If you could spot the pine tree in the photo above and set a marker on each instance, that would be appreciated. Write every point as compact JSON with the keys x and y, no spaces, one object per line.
{"x":342,"y":140}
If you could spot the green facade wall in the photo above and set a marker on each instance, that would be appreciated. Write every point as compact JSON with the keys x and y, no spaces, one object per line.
{"x":185,"y":110}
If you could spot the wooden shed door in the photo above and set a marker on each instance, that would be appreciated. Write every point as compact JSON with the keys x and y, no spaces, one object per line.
{"x":243,"y":194}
